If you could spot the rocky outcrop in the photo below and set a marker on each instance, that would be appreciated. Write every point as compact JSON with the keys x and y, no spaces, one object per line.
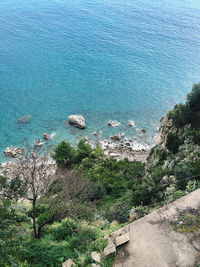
{"x":13,"y":152}
{"x":77,"y":121}
{"x":24,"y":119}
{"x":113,"y":123}
{"x":166,"y":127}
{"x":117,"y":137}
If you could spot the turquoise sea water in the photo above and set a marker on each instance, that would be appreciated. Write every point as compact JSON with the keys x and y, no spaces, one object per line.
{"x":104,"y":59}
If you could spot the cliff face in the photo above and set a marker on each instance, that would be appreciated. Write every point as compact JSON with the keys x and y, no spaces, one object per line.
{"x":166,"y":127}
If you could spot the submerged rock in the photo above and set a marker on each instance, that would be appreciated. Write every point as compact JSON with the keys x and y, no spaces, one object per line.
{"x":117,"y":137}
{"x":24,"y":119}
{"x":77,"y":121}
{"x":13,"y":152}
{"x":113,"y":123}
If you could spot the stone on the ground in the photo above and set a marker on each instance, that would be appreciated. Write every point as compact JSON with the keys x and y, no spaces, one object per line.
{"x":120,"y":240}
{"x":95,"y":265}
{"x":168,"y":179}
{"x":117,"y":137}
{"x":68,"y":263}
{"x":24,"y":119}
{"x":96,"y":256}
{"x":110,"y":249}
{"x":13,"y":152}
{"x":113,"y":123}
{"x":77,"y":121}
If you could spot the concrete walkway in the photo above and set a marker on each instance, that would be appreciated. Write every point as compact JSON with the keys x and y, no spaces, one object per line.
{"x":154,"y":243}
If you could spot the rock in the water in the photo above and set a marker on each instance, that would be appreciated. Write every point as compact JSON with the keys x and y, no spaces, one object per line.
{"x":113,"y":123}
{"x":38,"y":142}
{"x":24,"y":119}
{"x":77,"y":121}
{"x":68,"y":263}
{"x":13,"y":152}
{"x":117,"y":137}
{"x":96,"y":133}
{"x":46,"y":136}
{"x":85,"y":138}
{"x":143,"y":131}
{"x":96,"y":256}
{"x":131,"y":123}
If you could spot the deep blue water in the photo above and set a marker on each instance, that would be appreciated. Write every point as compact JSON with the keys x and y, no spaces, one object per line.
{"x":104,"y":59}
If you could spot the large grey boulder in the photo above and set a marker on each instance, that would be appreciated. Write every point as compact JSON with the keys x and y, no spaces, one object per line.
{"x":77,"y":121}
{"x":109,"y":250}
{"x":117,"y":137}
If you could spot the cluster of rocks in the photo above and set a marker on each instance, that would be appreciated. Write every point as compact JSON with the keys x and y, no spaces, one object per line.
{"x":78,"y":121}
{"x":13,"y":152}
{"x":115,"y":239}
{"x":126,"y":148}
{"x":7,"y":168}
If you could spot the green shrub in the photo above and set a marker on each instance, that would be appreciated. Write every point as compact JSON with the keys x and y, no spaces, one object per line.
{"x":64,"y":155}
{"x":84,"y":150}
{"x":173,"y":142}
{"x":118,"y":212}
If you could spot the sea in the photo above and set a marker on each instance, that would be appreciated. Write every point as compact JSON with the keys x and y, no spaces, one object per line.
{"x":103,"y":59}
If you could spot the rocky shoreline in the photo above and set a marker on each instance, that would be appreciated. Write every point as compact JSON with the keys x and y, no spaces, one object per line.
{"x":118,"y":146}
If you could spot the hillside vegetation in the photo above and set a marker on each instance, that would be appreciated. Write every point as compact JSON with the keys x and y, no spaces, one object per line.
{"x":44,"y":223}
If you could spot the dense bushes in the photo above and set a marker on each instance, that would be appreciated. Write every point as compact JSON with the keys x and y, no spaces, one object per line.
{"x":65,"y":155}
{"x":189,"y":112}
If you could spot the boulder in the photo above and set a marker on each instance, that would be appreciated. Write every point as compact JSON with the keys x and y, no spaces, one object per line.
{"x":132,"y":124}
{"x":38,"y":142}
{"x":77,"y":121}
{"x":13,"y":152}
{"x":46,"y":136}
{"x":96,"y":256}
{"x":143,"y":131}
{"x":85,"y":138}
{"x":120,"y":240}
{"x":68,"y":263}
{"x":24,"y":119}
{"x":117,"y":137}
{"x":113,"y":123}
{"x":110,"y":249}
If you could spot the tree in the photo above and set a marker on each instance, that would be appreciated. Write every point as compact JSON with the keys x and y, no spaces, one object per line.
{"x":64,"y":155}
{"x":38,"y":171}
